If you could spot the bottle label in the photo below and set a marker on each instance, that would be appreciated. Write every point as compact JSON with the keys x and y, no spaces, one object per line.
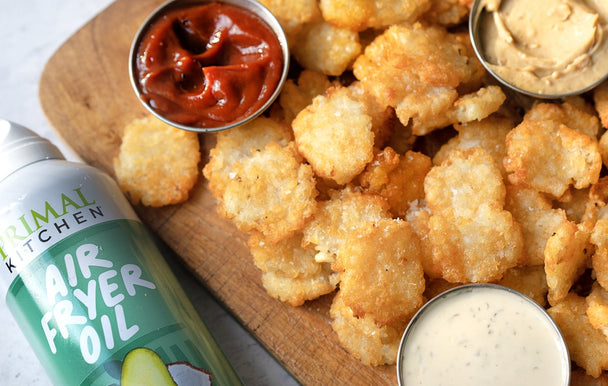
{"x":98,"y":303}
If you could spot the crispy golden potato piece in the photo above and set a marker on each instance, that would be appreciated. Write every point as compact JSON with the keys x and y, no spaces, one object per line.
{"x":568,"y":113}
{"x":567,"y":255}
{"x":290,"y":272}
{"x":295,"y":97}
{"x":326,"y":49}
{"x":157,"y":164}
{"x":358,"y":15}
{"x":575,"y":202}
{"x":549,"y":157}
{"x":335,"y":135}
{"x":588,"y":347}
{"x":539,"y":221}
{"x":399,"y":179}
{"x":272,"y":192}
{"x":418,"y":215}
{"x":474,"y":239}
{"x":237,"y":144}
{"x":578,"y":377}
{"x":597,"y":308}
{"x":293,"y":14}
{"x":489,"y":133}
{"x":529,"y":280}
{"x":476,"y":105}
{"x":599,"y":260}
{"x":417,"y":71}
{"x":600,"y":99}
{"x":448,"y":12}
{"x":362,"y":337}
{"x":338,"y":217}
{"x":603,"y":145}
{"x":381,"y":274}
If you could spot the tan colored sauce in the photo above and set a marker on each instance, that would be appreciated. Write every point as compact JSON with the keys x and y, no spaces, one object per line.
{"x":483,"y":336}
{"x":546,"y":46}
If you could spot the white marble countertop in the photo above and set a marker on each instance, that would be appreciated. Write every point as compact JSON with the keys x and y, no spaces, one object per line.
{"x":30,"y":32}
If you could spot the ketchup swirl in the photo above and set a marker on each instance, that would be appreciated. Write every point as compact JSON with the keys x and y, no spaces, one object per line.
{"x":208,"y":65}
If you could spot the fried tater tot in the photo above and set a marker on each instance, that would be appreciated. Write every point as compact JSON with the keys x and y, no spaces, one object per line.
{"x":358,"y":15}
{"x":338,"y":217}
{"x":237,"y":144}
{"x":489,"y":134}
{"x":157,"y":164}
{"x":326,"y":49}
{"x":448,"y":12}
{"x":418,"y":215}
{"x":549,"y":157}
{"x":335,"y":135}
{"x":295,"y":97}
{"x":533,"y":210}
{"x":290,"y":272}
{"x":600,"y":99}
{"x":578,"y":377}
{"x":293,"y":14}
{"x":362,"y":337}
{"x":599,"y":260}
{"x":567,"y":255}
{"x":530,"y":281}
{"x":381,"y":275}
{"x":474,"y":239}
{"x":399,"y":179}
{"x":597,"y":308}
{"x":588,"y":347}
{"x":272,"y":192}
{"x":417,"y":71}
{"x":567,"y":113}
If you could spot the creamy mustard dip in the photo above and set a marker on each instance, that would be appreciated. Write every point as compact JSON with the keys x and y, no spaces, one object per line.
{"x":483,"y":336}
{"x":553,"y":47}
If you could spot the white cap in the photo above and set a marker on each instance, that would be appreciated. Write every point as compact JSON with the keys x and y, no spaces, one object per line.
{"x":20,"y":147}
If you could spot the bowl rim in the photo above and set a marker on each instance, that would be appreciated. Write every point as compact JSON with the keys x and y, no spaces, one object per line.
{"x":474,"y":35}
{"x":252,"y":5}
{"x":469,"y":288}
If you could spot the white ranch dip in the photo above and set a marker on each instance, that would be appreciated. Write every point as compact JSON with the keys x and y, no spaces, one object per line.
{"x":482,"y":335}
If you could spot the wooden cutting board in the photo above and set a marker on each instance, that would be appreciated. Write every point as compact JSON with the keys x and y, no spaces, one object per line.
{"x":86,"y":95}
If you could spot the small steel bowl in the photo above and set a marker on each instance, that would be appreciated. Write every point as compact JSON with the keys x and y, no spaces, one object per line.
{"x":438,"y":301}
{"x":251,"y":5}
{"x":477,"y":11}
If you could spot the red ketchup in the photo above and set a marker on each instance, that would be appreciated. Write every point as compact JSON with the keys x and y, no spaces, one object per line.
{"x":208,"y":65}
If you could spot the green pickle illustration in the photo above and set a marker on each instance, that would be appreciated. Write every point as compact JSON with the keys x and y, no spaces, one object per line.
{"x":87,"y":283}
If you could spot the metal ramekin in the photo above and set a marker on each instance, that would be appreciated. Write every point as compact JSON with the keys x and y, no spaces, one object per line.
{"x":253,"y":6}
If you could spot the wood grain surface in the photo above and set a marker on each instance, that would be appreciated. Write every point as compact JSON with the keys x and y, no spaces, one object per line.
{"x":86,"y":96}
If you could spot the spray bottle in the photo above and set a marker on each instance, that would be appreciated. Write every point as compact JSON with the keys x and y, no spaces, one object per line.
{"x":85,"y":280}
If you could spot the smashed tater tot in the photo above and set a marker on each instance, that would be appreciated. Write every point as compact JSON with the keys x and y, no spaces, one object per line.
{"x":417,"y":71}
{"x":418,"y":215}
{"x":341,"y":152}
{"x":588,"y":347}
{"x":399,"y":179}
{"x":338,"y":217}
{"x":597,"y":308}
{"x":474,"y":239}
{"x":272,"y":192}
{"x":326,"y":49}
{"x":448,"y":12}
{"x":290,"y":272}
{"x":599,"y":260}
{"x":358,"y":15}
{"x":488,"y":133}
{"x":237,"y":144}
{"x":381,"y":274}
{"x":363,"y":338}
{"x":567,"y":113}
{"x":293,"y":14}
{"x":157,"y":164}
{"x":567,"y":255}
{"x":549,"y":157}
{"x":600,"y":98}
{"x":529,"y":280}
{"x":539,"y":221}
{"x":295,"y":97}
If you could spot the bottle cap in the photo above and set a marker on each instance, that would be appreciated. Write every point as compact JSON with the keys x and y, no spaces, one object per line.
{"x":20,"y":147}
